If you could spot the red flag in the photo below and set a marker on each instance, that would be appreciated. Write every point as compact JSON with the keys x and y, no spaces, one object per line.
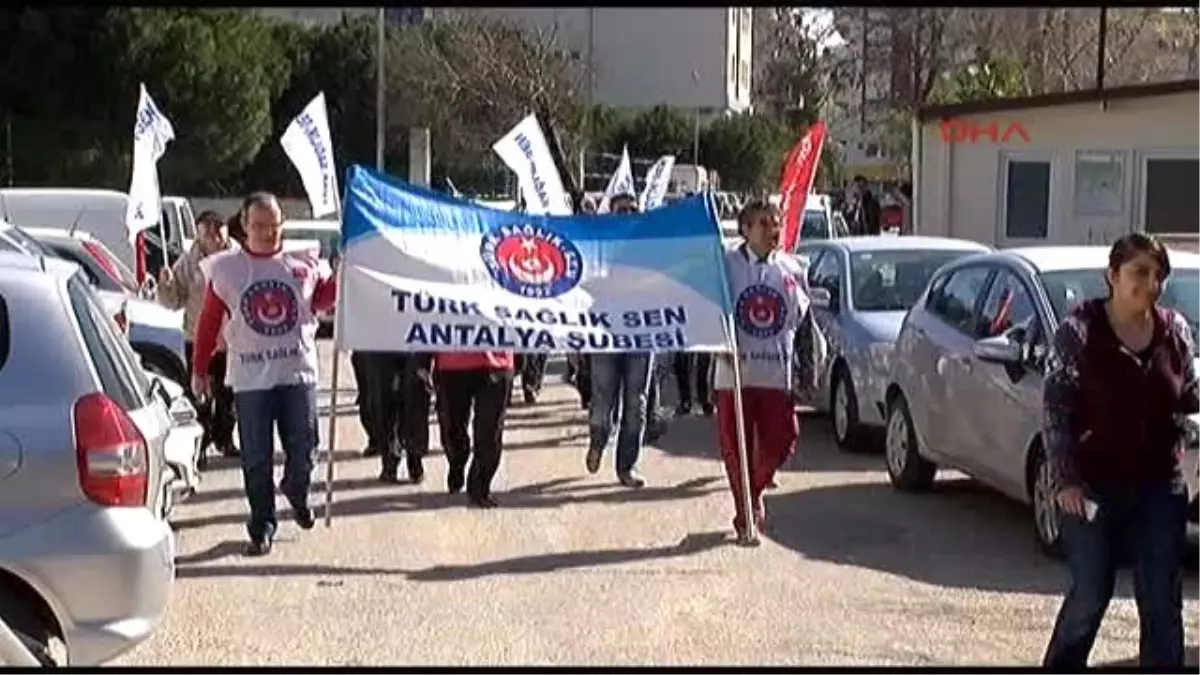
{"x":798,"y":175}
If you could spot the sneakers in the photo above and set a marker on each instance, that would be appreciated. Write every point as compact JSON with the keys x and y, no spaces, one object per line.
{"x":631,"y":479}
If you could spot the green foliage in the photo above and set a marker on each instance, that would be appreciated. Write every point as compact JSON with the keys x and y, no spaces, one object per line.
{"x":215,"y":74}
{"x":661,"y":130}
{"x":747,"y":151}
{"x":987,"y":81}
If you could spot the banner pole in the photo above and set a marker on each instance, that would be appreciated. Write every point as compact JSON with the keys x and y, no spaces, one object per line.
{"x":333,"y":394}
{"x":739,"y":407}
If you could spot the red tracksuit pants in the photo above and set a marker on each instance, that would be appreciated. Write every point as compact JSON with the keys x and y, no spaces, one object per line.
{"x":771,"y":432}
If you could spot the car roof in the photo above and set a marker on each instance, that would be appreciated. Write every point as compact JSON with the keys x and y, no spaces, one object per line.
{"x":18,"y":263}
{"x":331,"y":225}
{"x":1062,"y":258}
{"x":58,"y":233}
{"x":905,"y":243}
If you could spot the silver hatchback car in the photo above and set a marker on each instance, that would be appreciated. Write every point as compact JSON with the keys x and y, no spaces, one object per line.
{"x":966,"y":384}
{"x":861,"y":288}
{"x":86,"y":555}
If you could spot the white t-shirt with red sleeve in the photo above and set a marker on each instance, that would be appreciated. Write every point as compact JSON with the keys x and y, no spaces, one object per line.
{"x":264,"y":306}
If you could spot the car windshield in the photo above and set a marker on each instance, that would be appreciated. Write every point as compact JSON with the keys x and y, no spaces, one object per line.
{"x":328,"y":238}
{"x":814,"y":226}
{"x":891,"y":281}
{"x":29,"y":243}
{"x":1068,"y":288}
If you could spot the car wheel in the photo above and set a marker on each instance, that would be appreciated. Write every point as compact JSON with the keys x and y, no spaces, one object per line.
{"x":1047,"y":520}
{"x":41,"y":640}
{"x":907,"y":469}
{"x":843,"y":407}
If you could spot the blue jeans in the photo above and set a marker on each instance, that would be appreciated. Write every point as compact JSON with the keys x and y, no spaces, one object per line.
{"x":1144,"y":526}
{"x":293,"y":408}
{"x":623,"y":378}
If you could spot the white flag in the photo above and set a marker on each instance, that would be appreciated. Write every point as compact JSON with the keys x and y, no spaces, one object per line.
{"x":658,"y":179}
{"x":525,"y":151}
{"x":151,"y":133}
{"x":310,"y":147}
{"x":621,"y":182}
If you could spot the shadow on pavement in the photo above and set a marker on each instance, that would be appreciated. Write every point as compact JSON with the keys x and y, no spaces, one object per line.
{"x":695,"y":436}
{"x":536,"y":564}
{"x":1191,"y":658}
{"x":548,"y":495}
{"x":961,"y":535}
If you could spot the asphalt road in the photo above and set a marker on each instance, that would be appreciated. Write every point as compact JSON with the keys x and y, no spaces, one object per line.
{"x":575,"y":570}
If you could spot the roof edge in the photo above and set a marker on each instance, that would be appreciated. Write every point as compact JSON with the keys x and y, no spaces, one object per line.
{"x":938,"y":112}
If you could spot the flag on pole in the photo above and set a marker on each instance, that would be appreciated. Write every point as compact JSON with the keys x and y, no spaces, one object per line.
{"x":798,"y":173}
{"x":309,"y":146}
{"x":525,"y":151}
{"x":425,"y":272}
{"x":620,"y":183}
{"x":151,"y":133}
{"x":658,"y":179}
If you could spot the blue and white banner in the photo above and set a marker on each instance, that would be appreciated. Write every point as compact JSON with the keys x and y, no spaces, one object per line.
{"x":424,"y":271}
{"x":309,"y":145}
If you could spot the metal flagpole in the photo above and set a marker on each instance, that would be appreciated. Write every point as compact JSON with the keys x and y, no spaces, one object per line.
{"x":739,"y":408}
{"x":334,"y":384}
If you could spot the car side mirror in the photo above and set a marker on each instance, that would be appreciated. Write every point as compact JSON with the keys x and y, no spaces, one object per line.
{"x":821,"y":298}
{"x":999,"y":349}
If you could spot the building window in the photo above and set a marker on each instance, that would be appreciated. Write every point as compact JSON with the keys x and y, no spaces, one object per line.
{"x":1170,"y":195}
{"x":1099,"y":183}
{"x":1026,"y":198}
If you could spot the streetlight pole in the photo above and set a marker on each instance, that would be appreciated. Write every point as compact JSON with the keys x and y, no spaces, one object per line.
{"x":380,"y":85}
{"x":696,"y":127}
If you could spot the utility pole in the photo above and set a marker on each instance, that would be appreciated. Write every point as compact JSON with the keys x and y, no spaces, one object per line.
{"x":862,"y":92}
{"x":1101,"y":55}
{"x":696,"y":128}
{"x":589,"y":124}
{"x":380,"y":86}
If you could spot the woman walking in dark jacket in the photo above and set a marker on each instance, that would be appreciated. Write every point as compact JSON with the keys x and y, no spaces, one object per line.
{"x":1120,"y":382}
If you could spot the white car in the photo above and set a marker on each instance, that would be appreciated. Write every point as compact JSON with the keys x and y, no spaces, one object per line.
{"x":323,"y":235}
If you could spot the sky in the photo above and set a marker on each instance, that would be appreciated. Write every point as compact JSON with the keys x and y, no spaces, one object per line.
{"x":822,"y":21}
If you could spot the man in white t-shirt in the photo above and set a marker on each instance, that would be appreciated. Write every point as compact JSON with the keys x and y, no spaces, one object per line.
{"x":264,"y":303}
{"x":770,"y":306}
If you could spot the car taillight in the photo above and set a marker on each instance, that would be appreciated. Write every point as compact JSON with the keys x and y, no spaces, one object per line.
{"x":110,"y":453}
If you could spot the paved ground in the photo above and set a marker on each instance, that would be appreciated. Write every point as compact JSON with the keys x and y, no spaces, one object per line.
{"x":573,"y":570}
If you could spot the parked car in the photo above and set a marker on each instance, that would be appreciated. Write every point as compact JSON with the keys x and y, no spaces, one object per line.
{"x":155,"y":332}
{"x":968,"y":366}
{"x":861,"y":289}
{"x":86,"y":553}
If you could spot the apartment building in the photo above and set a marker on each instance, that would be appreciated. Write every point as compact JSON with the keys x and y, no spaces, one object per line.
{"x":642,"y":57}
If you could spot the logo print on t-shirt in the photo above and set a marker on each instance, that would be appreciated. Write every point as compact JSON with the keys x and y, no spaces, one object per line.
{"x":531,"y":261}
{"x":760,"y":311}
{"x":269,"y":307}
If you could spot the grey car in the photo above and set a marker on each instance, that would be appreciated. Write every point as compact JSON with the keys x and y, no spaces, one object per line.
{"x":967,"y":371}
{"x":155,"y":332}
{"x":86,"y":554}
{"x":861,"y":288}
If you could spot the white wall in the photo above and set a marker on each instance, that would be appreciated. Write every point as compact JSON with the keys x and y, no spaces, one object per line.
{"x":645,"y":56}
{"x":959,"y":187}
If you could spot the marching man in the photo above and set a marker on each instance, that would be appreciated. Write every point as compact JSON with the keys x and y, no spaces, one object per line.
{"x":265,"y":303}
{"x":775,"y":337}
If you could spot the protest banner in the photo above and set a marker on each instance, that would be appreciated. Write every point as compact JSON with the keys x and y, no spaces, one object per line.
{"x":619,"y":183}
{"x":524,"y":150}
{"x":423,"y":271}
{"x":151,"y":133}
{"x":658,"y":179}
{"x":798,"y":173}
